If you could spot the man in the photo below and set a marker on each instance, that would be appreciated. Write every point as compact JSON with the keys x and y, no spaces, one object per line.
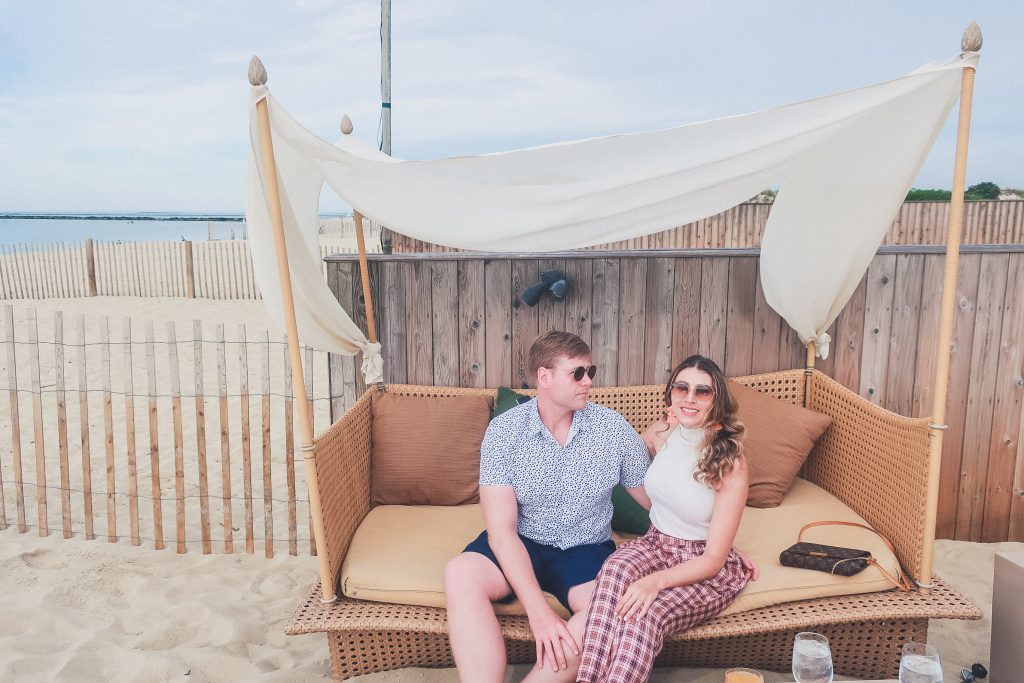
{"x":547,"y":469}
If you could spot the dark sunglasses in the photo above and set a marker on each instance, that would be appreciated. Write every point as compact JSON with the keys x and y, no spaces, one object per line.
{"x":578,"y":372}
{"x":701,"y":392}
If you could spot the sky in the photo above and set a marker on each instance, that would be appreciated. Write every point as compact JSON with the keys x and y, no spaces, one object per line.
{"x":137,"y":106}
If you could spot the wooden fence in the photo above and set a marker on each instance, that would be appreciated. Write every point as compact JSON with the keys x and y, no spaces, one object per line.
{"x":456,"y":319}
{"x":126,"y":430}
{"x":741,"y":227}
{"x":220,"y":269}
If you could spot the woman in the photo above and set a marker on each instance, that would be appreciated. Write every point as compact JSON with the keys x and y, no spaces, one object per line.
{"x":684,"y":570}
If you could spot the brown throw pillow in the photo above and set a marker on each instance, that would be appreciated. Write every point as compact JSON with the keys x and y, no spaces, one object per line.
{"x":426,"y":450}
{"x":778,"y":440}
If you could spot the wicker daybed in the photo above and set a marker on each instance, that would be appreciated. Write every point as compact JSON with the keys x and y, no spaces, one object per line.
{"x":874,"y":461}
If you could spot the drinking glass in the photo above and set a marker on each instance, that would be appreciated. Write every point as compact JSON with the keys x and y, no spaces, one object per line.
{"x":812,"y":660}
{"x":920,"y":664}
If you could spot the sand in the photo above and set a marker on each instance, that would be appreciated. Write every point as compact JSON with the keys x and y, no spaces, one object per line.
{"x":77,"y":610}
{"x":91,"y":611}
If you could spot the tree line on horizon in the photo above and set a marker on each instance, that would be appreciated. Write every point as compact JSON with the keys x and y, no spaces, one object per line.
{"x":980,"y":191}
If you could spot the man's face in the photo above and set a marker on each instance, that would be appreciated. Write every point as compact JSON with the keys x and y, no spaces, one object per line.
{"x":560,"y":385}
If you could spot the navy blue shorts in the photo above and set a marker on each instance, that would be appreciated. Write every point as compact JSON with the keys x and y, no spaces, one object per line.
{"x":556,"y":570}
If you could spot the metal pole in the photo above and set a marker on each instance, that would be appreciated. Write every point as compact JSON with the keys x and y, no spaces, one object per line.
{"x":971,"y":43}
{"x":385,"y":99}
{"x":258,"y":76}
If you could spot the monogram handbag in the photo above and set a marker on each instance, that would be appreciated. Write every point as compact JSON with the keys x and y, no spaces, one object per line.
{"x":836,"y":560}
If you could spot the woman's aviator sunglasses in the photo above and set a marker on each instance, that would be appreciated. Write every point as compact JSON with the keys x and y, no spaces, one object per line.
{"x":578,"y":372}
{"x":701,"y":392}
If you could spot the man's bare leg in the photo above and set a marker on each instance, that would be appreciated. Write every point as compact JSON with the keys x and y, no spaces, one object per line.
{"x":471,"y":582}
{"x":579,"y":600}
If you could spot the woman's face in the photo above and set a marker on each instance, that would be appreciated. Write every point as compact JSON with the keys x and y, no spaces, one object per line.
{"x":693,"y":395}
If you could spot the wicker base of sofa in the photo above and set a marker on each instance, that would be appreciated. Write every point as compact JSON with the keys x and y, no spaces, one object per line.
{"x":866,"y":632}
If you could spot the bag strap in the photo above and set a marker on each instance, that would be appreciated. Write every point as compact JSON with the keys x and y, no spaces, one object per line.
{"x":900,"y":581}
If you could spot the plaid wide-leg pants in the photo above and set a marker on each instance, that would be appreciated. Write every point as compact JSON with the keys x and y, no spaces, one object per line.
{"x":616,"y":651}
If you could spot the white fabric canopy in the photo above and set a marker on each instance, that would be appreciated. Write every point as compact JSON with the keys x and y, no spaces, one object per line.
{"x":844,"y":162}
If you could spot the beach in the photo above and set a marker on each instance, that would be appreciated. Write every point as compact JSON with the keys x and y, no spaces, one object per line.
{"x":77,"y":610}
{"x":91,"y":611}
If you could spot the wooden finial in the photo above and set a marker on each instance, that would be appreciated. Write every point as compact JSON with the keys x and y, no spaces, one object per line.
{"x":257,"y":73}
{"x":346,"y":125}
{"x":971,"y":42}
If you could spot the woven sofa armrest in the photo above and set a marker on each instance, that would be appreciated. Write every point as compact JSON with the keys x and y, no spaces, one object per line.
{"x":876,"y":462}
{"x":343,"y":478}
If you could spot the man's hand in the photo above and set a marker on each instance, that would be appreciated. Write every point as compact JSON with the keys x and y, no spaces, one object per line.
{"x":749,"y":568}
{"x":638,"y":598}
{"x":552,"y":636}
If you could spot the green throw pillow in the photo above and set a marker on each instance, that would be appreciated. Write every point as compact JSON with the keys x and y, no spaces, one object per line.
{"x":628,"y":516}
{"x":506,"y":400}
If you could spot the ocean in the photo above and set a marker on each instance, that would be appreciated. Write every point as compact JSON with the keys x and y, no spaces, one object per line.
{"x":32,"y":228}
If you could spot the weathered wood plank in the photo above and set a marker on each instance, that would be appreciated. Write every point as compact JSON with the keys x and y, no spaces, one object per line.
{"x":225,"y":438}
{"x":154,"y":436}
{"x":632,"y":321}
{"x":1009,"y":401}
{"x":903,"y":343}
{"x":244,"y":398}
{"x":714,"y":303}
{"x":129,"y":422}
{"x":445,"y":323}
{"x":738,"y":359}
{"x":471,"y":330}
{"x":289,"y":455}
{"x":767,"y":329}
{"x":687,"y":314}
{"x":62,"y":423}
{"x":659,"y":306}
{"x":83,"y":421}
{"x":604,"y":320}
{"x":580,"y":274}
{"x":12,"y":392}
{"x":37,"y":423}
{"x":179,"y":449}
{"x":927,"y":333}
{"x":877,"y":328}
{"x":498,"y":322}
{"x":391,"y":325}
{"x":419,"y":327}
{"x":980,"y":396}
{"x":956,"y":402}
{"x":525,"y":322}
{"x":200,"y":403}
{"x":268,"y":487}
{"x":550,"y":311}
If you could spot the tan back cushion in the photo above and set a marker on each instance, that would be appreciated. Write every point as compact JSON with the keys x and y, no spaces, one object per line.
{"x":426,"y":451}
{"x":399,"y":553}
{"x":778,"y":440}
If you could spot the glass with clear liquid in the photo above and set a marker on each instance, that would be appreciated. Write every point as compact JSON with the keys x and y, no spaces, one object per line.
{"x":920,"y":664}
{"x":812,"y":659}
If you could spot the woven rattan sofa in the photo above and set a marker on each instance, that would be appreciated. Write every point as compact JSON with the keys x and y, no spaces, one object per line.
{"x":874,"y":461}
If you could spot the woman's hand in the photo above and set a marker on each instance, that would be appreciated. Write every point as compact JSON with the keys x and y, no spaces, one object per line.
{"x":638,"y":598}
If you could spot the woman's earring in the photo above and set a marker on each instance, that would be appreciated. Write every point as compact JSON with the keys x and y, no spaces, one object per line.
{"x":670,"y":417}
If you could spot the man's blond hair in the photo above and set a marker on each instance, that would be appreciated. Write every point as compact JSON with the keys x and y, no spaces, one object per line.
{"x":550,"y":346}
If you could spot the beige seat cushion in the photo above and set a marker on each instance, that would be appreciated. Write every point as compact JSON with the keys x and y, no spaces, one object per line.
{"x":399,"y":553}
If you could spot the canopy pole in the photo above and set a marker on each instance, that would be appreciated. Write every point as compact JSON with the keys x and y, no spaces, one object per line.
{"x":364,"y":272}
{"x":258,"y":77}
{"x":971,"y":42}
{"x":808,"y":372}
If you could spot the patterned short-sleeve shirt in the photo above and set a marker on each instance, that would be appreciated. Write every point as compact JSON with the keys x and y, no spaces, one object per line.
{"x":563,"y":492}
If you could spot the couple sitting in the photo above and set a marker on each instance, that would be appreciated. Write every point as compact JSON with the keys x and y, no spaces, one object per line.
{"x":547,"y":470}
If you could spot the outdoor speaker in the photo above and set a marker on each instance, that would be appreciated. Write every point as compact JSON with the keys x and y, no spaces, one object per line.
{"x":552,"y":281}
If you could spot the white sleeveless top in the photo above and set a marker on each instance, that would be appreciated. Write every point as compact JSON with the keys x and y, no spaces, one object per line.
{"x":680,"y":506}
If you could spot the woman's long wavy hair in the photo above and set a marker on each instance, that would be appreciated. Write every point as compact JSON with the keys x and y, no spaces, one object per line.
{"x":723,"y":433}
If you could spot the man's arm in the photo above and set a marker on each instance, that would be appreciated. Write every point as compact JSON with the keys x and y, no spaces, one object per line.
{"x":501,"y":518}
